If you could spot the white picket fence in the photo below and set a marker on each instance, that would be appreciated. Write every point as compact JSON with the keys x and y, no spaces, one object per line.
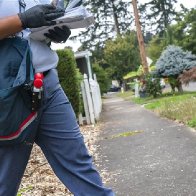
{"x":92,"y":100}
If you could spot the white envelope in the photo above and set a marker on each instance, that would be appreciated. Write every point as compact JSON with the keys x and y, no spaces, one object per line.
{"x":74,"y":18}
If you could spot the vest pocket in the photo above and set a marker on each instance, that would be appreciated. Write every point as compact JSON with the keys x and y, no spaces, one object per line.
{"x":10,"y":60}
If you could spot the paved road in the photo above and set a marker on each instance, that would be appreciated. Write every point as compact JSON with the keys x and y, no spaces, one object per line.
{"x":190,"y":87}
{"x":160,"y":160}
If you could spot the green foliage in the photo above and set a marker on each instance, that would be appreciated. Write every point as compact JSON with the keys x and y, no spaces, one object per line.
{"x":127,"y":95}
{"x":184,"y":32}
{"x":192,"y":122}
{"x":140,"y":70}
{"x":181,"y":107}
{"x":69,"y":77}
{"x":155,"y":48}
{"x":175,"y":83}
{"x":174,"y":61}
{"x":110,"y":16}
{"x":183,"y":111}
{"x":102,"y":78}
{"x":153,"y":87}
{"x":131,"y":74}
{"x":122,"y":54}
{"x":190,"y":36}
{"x":159,"y":14}
{"x":127,"y":134}
{"x":24,"y":190}
{"x":138,"y":73}
{"x":98,"y":54}
{"x":131,"y":85}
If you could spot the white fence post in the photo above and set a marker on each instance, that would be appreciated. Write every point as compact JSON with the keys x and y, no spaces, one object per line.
{"x":98,"y":94}
{"x":94,"y":98}
{"x":80,"y":119}
{"x":85,"y":102}
{"x":89,"y":99}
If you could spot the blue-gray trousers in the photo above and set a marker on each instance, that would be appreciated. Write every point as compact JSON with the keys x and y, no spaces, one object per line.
{"x":59,"y":137}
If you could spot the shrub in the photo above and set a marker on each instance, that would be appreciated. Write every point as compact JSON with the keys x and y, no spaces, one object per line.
{"x":188,"y":76}
{"x":70,"y":78}
{"x":174,"y":61}
{"x":102,"y":78}
{"x":192,"y":123}
{"x":153,"y":86}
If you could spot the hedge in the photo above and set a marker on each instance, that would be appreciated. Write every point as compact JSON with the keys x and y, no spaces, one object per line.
{"x":70,"y":78}
{"x":102,"y":78}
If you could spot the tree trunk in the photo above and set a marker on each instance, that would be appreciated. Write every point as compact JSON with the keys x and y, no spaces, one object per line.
{"x":179,"y":87}
{"x":140,"y":38}
{"x":172,"y":87}
{"x":117,"y":29}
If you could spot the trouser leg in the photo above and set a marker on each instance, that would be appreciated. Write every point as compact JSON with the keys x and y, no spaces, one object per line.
{"x":63,"y":145}
{"x":13,"y":161}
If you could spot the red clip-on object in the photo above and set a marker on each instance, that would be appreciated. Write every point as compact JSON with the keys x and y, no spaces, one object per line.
{"x":37,"y":91}
{"x":38,"y":81}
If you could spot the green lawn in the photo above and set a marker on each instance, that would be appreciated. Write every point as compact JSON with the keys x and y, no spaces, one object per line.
{"x":180,"y":107}
{"x":126,"y":95}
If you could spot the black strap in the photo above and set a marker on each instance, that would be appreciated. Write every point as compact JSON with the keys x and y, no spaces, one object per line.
{"x":28,"y":67}
{"x":22,"y":5}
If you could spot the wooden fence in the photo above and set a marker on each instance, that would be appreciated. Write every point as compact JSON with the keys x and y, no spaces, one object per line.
{"x":92,"y":100}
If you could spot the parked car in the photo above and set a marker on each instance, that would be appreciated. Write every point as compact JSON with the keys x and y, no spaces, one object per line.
{"x":114,"y":88}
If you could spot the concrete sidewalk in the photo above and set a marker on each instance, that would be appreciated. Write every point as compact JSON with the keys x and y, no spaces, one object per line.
{"x":158,"y":160}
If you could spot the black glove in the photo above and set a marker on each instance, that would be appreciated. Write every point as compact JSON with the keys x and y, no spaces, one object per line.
{"x":59,"y":34}
{"x":40,"y":15}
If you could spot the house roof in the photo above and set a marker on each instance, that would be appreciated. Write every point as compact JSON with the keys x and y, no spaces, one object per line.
{"x":82,"y":54}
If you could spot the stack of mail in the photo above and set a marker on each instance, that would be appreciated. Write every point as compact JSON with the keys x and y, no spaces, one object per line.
{"x":75,"y":17}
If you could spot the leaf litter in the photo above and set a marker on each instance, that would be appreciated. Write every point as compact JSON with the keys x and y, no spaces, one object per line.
{"x":40,"y":180}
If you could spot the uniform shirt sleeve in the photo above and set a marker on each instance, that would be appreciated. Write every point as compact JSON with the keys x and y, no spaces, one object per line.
{"x":11,"y":7}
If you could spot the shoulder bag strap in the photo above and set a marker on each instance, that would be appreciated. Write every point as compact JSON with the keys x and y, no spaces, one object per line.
{"x":22,"y":5}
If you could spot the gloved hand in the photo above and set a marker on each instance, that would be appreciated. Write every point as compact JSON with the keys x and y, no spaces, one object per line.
{"x":59,"y":34}
{"x":40,"y":15}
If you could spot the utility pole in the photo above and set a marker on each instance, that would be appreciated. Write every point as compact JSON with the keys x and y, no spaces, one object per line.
{"x":140,"y":37}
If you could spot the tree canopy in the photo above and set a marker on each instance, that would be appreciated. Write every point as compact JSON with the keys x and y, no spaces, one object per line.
{"x":184,"y":32}
{"x":122,"y":54}
{"x":111,"y":17}
{"x":159,"y":14}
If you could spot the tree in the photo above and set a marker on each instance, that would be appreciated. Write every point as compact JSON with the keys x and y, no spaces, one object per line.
{"x":159,"y":14}
{"x":181,"y":34}
{"x":184,"y":32}
{"x":111,"y":17}
{"x":155,"y":48}
{"x":122,"y":54}
{"x":140,"y":37}
{"x":173,"y":62}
